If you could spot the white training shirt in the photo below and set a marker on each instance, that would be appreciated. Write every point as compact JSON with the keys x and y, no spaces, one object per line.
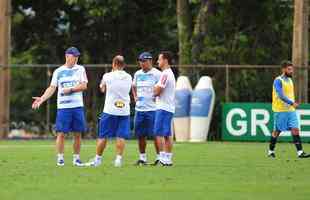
{"x":66,"y":77}
{"x":118,"y":85}
{"x":145,"y":82}
{"x":166,"y":99}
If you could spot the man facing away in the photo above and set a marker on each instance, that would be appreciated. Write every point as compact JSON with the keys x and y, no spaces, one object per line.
{"x":142,"y":89}
{"x":284,"y":108}
{"x":71,"y":81}
{"x":115,"y":119}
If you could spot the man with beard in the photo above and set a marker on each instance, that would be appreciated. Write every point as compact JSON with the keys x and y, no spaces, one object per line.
{"x":284,"y":108}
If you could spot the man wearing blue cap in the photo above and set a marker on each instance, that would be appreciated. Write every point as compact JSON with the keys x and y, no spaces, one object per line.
{"x":71,"y":81}
{"x":142,"y":89}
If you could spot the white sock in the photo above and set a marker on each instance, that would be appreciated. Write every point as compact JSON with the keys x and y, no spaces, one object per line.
{"x":76,"y":157}
{"x":299,"y":152}
{"x":169,"y":157}
{"x":118,"y":157}
{"x":270,"y":152}
{"x":162,"y":156}
{"x":60,"y":156}
{"x":98,"y":158}
{"x":143,"y":156}
{"x":157,"y":156}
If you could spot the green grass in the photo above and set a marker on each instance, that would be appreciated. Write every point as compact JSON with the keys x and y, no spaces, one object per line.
{"x":213,"y":170}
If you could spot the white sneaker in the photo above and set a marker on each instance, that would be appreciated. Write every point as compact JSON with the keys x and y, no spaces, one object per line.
{"x":93,"y":163}
{"x":162,"y":161}
{"x":117,"y":163}
{"x":60,"y":163}
{"x":169,"y":163}
{"x":78,"y":163}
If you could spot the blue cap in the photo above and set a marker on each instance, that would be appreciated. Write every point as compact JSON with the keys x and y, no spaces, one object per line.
{"x":73,"y":51}
{"x":145,"y":56}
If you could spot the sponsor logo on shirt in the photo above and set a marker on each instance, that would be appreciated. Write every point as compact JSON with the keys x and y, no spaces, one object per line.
{"x":119,"y":104}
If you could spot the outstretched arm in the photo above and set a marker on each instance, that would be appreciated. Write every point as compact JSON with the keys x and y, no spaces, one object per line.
{"x":47,"y":94}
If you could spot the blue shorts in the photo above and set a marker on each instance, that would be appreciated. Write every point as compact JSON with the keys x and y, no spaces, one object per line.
{"x":113,"y":126}
{"x":162,"y":125}
{"x":285,"y":121}
{"x":71,"y":120}
{"x":144,"y":123}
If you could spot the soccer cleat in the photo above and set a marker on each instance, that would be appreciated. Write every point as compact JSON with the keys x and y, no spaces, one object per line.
{"x":78,"y":163}
{"x":162,"y":163}
{"x":117,"y":163}
{"x":304,"y":155}
{"x":156,"y":162}
{"x":141,"y":163}
{"x":92,"y":163}
{"x":272,"y":155}
{"x":169,"y":164}
{"x":166,"y":163}
{"x":60,"y":162}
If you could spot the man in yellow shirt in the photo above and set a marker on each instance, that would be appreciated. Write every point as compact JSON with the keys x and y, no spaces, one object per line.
{"x":284,"y":108}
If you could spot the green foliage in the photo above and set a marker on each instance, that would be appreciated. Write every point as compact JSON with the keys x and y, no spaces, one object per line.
{"x":248,"y":32}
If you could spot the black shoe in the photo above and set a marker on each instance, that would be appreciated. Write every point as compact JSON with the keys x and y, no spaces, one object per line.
{"x":304,"y":155}
{"x":162,"y":163}
{"x":272,"y":155}
{"x":169,"y":165}
{"x":166,"y":164}
{"x":156,"y":162}
{"x":141,"y":163}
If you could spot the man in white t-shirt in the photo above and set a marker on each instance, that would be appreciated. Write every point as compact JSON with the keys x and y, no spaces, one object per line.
{"x":165,"y":90}
{"x":115,"y":119}
{"x":71,"y":81}
{"x":142,"y":89}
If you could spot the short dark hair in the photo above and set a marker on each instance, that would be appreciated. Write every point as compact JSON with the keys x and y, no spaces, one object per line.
{"x":286,"y":64}
{"x":168,"y":56}
{"x":119,"y":61}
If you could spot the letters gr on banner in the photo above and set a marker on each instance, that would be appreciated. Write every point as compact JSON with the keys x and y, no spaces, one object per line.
{"x":254,"y":122}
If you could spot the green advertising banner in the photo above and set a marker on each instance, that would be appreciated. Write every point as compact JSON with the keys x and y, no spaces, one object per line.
{"x":254,"y":122}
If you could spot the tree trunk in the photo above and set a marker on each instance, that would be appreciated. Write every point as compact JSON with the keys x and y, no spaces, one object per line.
{"x":200,"y":29}
{"x":300,"y":48}
{"x":184,"y":33}
{"x":5,"y":13}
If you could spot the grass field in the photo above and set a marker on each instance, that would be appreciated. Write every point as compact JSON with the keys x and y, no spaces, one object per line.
{"x":213,"y":170}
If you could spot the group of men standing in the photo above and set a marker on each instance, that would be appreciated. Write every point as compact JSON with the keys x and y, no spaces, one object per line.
{"x":154,"y":95}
